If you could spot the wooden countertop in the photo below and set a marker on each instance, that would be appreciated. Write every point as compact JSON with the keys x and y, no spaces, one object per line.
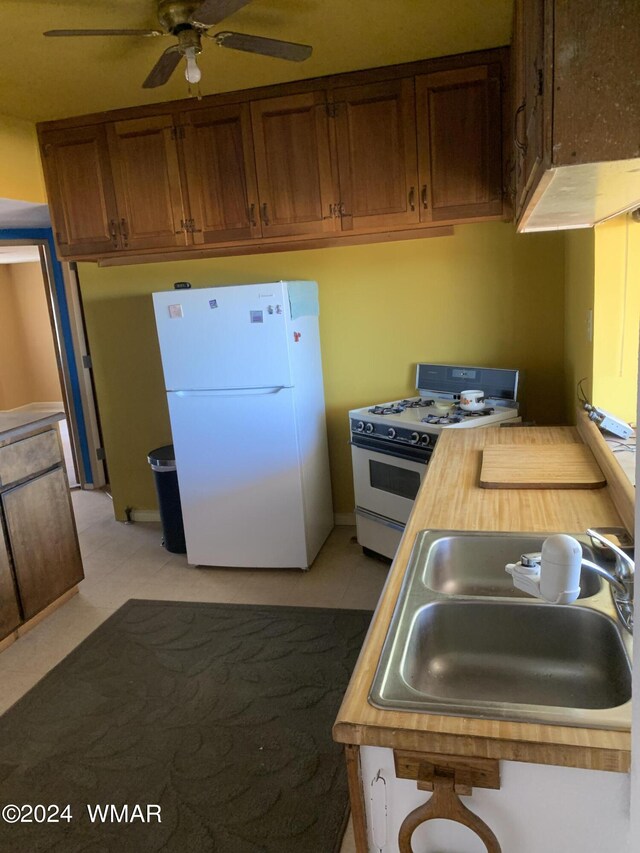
{"x":23,"y":422}
{"x":451,"y":499}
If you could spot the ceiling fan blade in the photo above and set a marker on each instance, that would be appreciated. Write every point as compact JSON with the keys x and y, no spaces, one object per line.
{"x":164,"y":68}
{"x":211,"y":12}
{"x":104,"y":33}
{"x":267,"y":47}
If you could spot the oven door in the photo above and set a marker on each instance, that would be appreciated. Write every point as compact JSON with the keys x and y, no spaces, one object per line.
{"x":387,"y":483}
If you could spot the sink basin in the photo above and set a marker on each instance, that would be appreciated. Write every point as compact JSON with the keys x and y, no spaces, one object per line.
{"x":473,"y":563}
{"x":462,"y":641}
{"x":512,"y":652}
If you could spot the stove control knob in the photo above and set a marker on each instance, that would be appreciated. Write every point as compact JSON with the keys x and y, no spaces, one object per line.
{"x":391,"y":432}
{"x":415,"y":438}
{"x":360,"y":426}
{"x":369,"y":428}
{"x":425,"y":440}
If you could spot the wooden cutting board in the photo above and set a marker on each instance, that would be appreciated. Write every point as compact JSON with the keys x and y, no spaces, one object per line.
{"x":544,"y":466}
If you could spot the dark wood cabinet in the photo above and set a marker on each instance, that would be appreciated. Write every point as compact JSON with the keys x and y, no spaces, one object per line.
{"x":575,"y":112}
{"x":293,"y":163}
{"x":460,"y":143}
{"x":220,"y":174}
{"x":80,"y":190}
{"x":39,"y":553}
{"x":528,"y":86}
{"x":376,"y":146}
{"x":304,"y":164}
{"x":42,"y":537}
{"x":147,"y":183}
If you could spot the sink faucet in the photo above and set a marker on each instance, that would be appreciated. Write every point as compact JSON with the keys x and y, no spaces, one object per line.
{"x":554,"y":573}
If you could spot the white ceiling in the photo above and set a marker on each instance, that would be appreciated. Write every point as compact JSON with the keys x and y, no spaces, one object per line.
{"x":23,"y":214}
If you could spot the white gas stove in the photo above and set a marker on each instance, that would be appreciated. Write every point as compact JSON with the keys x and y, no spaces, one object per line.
{"x":392,"y":443}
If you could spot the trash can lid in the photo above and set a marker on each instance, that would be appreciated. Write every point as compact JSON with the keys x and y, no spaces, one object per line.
{"x":162,"y":458}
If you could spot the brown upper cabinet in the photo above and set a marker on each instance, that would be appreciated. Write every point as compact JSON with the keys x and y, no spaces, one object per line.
{"x":146,"y":177}
{"x":293,"y":162}
{"x":460,"y":143}
{"x":220,"y":173}
{"x":80,"y":190}
{"x":393,"y":149}
{"x":576,"y":112}
{"x":375,"y":130}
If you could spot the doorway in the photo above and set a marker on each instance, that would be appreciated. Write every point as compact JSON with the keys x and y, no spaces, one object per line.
{"x":45,"y":363}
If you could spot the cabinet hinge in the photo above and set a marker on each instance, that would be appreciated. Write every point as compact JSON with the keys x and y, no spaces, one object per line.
{"x":540,"y":82}
{"x":86,"y":362}
{"x":100,"y":454}
{"x":332,"y":110}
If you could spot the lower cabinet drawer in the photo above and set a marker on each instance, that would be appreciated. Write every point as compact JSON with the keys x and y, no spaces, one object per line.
{"x":29,"y":456}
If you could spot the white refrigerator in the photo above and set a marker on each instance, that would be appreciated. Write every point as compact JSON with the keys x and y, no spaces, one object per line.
{"x":243,"y":376}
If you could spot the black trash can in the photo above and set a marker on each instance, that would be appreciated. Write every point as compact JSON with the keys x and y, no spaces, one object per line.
{"x":163,"y":465}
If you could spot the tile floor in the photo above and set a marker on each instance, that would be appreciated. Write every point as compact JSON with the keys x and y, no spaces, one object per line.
{"x":127,"y":561}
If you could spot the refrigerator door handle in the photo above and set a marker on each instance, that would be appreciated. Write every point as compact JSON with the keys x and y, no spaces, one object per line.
{"x":233,"y":392}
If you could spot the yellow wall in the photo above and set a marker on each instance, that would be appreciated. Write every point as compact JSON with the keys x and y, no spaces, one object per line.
{"x":616,"y":316}
{"x":20,"y":168}
{"x":484,"y":296}
{"x":579,"y":273}
{"x":28,"y":368}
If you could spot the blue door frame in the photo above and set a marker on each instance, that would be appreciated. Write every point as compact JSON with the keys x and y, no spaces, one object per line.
{"x":45,"y":235}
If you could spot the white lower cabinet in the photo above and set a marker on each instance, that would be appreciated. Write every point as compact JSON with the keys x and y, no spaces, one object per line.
{"x":538,"y":809}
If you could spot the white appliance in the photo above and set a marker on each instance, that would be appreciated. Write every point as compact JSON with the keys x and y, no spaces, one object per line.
{"x":243,"y":377}
{"x":391,"y":443}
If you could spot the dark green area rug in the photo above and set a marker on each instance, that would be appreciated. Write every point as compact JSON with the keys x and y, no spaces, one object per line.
{"x":221,"y":714}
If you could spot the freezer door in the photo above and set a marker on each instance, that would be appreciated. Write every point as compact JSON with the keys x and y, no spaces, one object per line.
{"x":239,"y":477}
{"x":224,"y":337}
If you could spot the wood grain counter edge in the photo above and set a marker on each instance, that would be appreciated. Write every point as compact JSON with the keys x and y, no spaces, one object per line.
{"x":451,"y":498}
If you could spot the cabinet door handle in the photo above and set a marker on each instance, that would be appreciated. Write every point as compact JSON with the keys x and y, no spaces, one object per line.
{"x":265,"y":217}
{"x":521,"y":146}
{"x":113,"y":230}
{"x":252,"y":214}
{"x":412,"y":198}
{"x":425,"y":200}
{"x":124,"y":228}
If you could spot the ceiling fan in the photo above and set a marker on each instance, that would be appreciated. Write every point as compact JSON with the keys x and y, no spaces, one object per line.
{"x":189,"y":21}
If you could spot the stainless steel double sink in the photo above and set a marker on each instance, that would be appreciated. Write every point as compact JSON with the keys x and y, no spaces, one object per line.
{"x":464,"y":641}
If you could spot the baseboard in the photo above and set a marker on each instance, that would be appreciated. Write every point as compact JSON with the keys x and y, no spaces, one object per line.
{"x":145,"y":515}
{"x":340,"y":519}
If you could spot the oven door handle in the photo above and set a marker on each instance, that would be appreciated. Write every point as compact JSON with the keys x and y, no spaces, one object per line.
{"x":409,"y":454}
{"x":380,"y":519}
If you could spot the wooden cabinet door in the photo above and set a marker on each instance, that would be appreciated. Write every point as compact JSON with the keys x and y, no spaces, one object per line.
{"x":44,"y":544}
{"x":376,"y":142}
{"x":9,"y":611}
{"x":80,"y":190}
{"x":293,"y":164}
{"x":221,"y":176}
{"x":460,"y":143}
{"x":528,"y":65}
{"x":147,"y":182}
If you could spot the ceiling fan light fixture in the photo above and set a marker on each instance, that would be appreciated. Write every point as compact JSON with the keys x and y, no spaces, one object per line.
{"x":192,"y":72}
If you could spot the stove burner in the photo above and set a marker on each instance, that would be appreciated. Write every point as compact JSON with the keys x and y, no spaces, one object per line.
{"x":442,"y":419}
{"x":386,"y":410}
{"x":455,"y":416}
{"x":421,"y":403}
